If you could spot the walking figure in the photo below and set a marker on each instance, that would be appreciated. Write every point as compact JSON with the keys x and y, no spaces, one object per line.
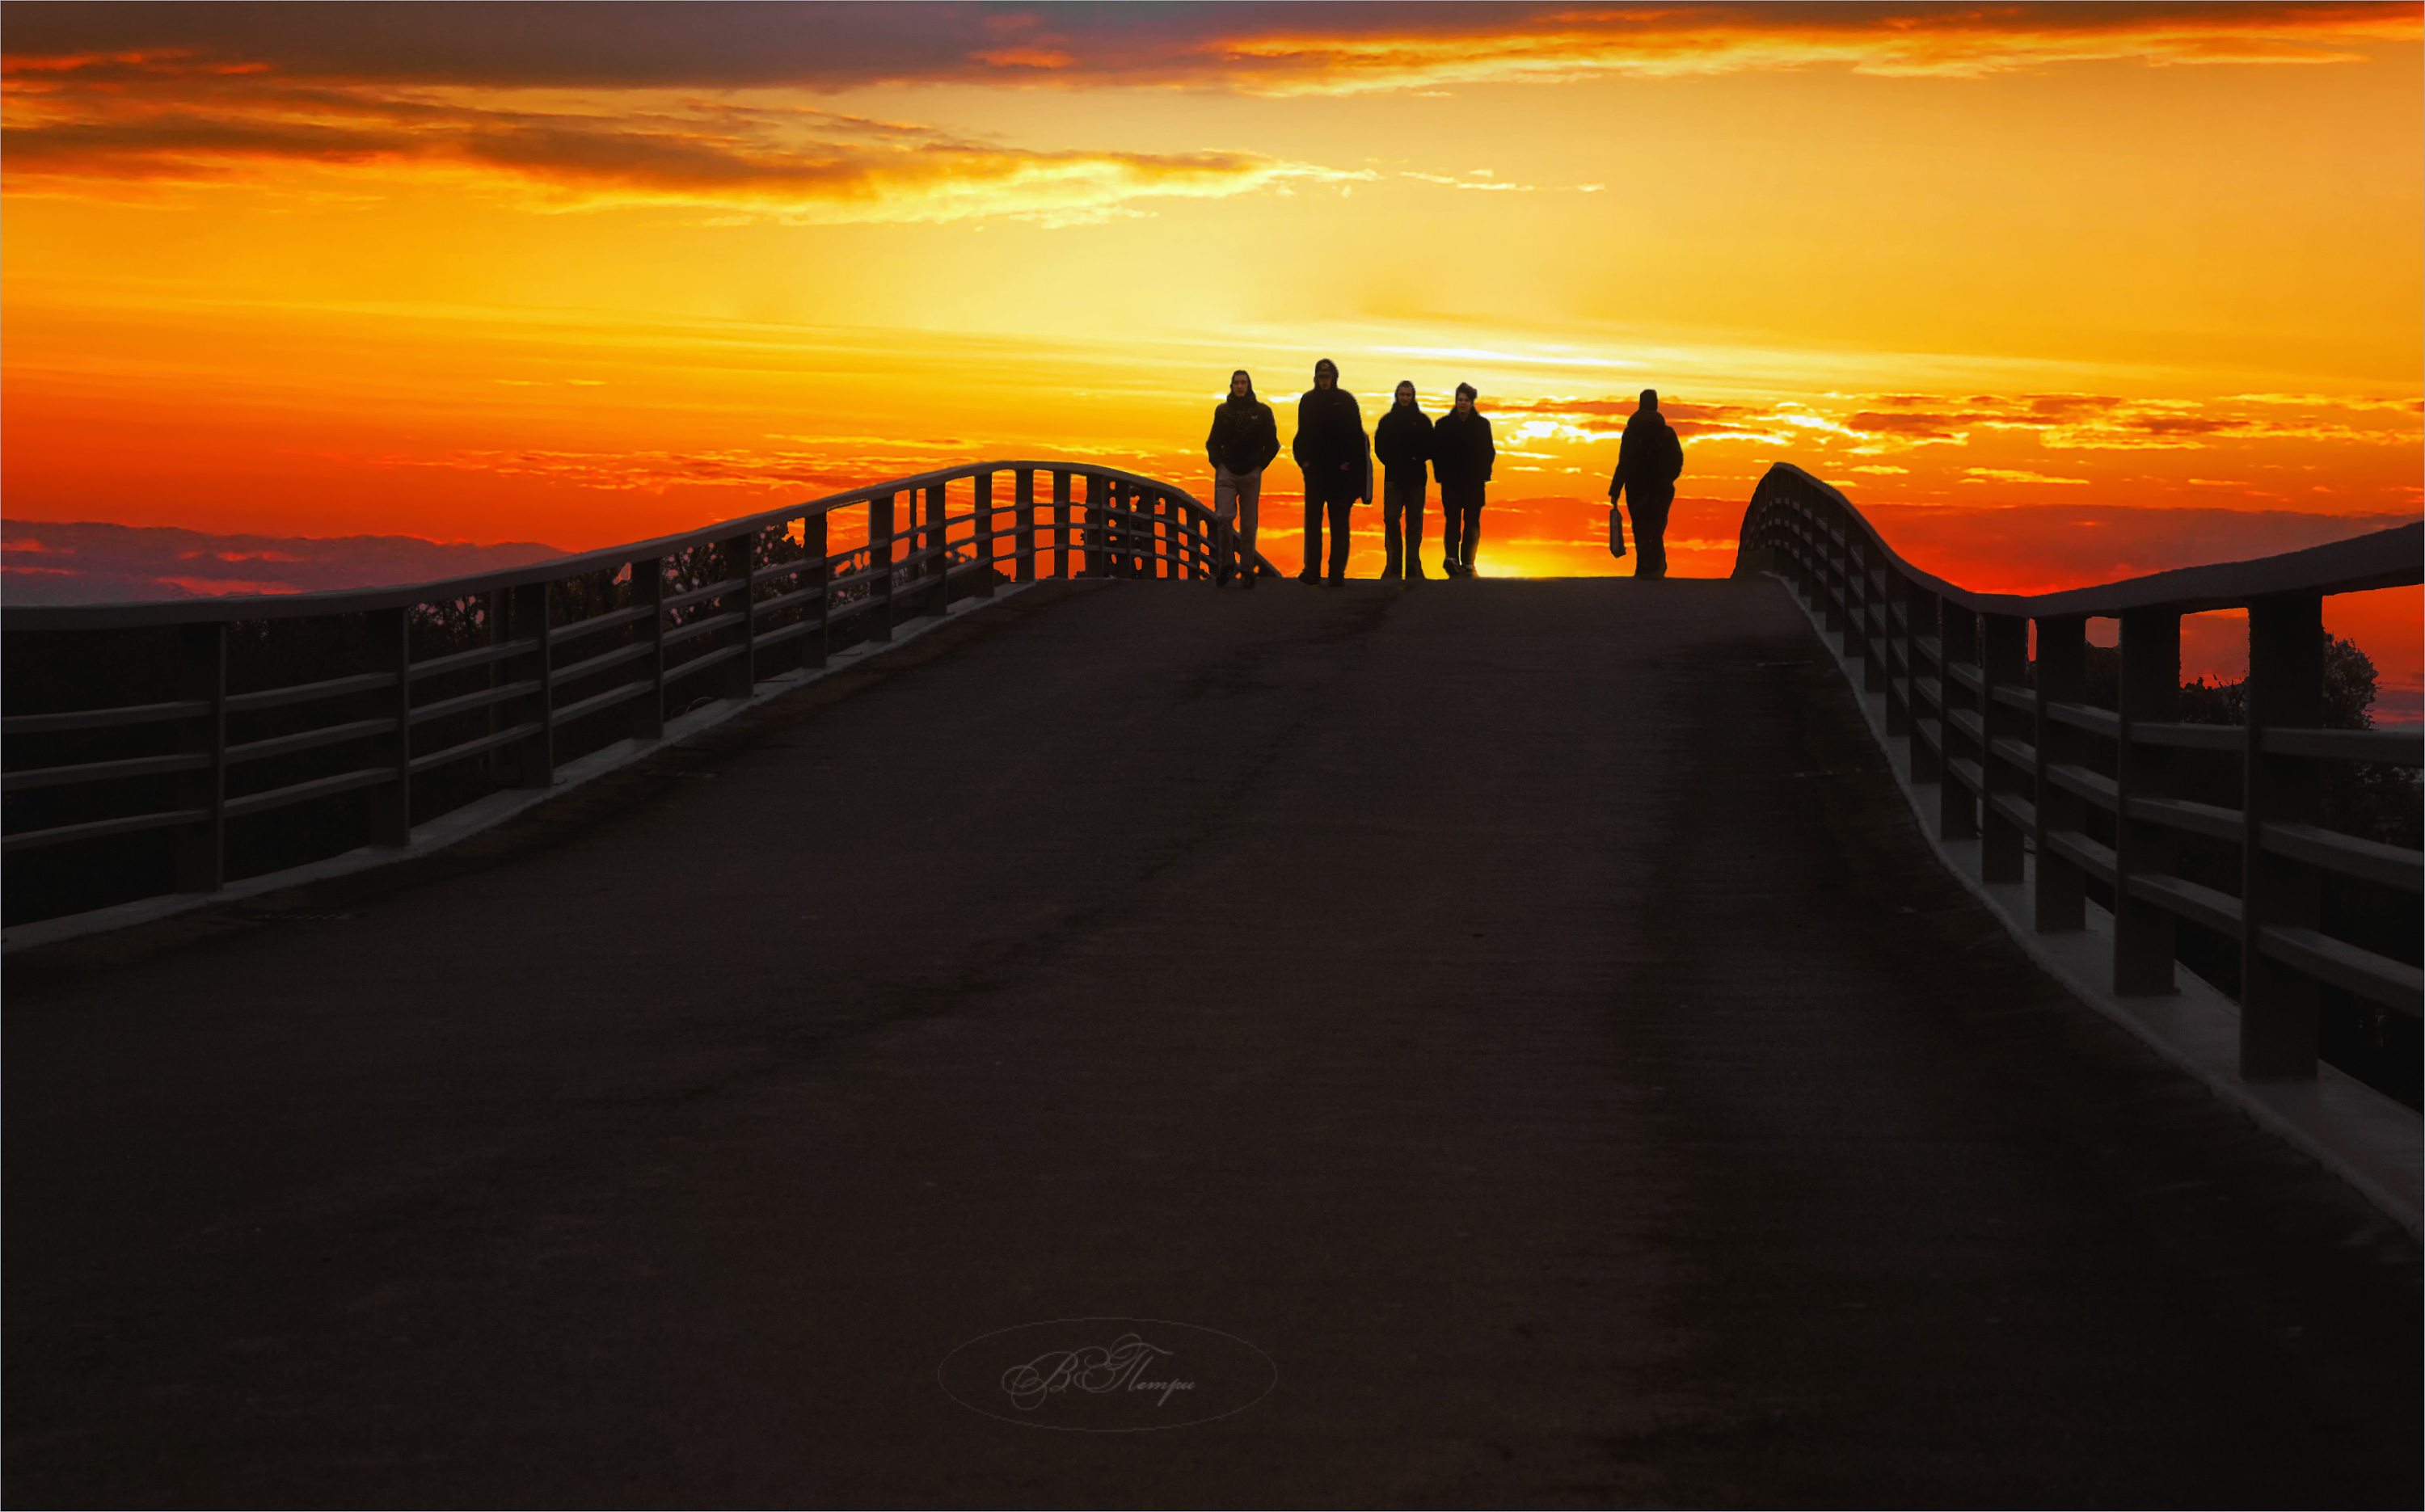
{"x":1244,"y":439}
{"x":1462,"y":457}
{"x":1403,"y":441}
{"x":1331,"y":450}
{"x":1648,"y":461}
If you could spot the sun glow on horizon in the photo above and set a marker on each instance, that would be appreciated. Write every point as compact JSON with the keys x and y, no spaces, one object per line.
{"x":2057,"y":292}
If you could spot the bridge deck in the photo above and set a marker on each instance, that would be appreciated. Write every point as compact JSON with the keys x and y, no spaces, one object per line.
{"x":1516,"y":1008}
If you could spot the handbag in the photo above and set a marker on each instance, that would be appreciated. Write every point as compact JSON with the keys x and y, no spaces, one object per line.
{"x":1615,"y":532}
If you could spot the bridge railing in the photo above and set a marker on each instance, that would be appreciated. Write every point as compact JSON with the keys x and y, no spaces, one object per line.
{"x":192,"y":716}
{"x":2011,"y":748}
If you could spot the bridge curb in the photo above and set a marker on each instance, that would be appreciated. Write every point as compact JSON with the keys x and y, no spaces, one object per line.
{"x":2373,"y":1142}
{"x":484,"y":814}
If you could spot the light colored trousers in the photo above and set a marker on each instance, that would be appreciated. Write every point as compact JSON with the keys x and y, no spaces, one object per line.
{"x":1238,"y":496}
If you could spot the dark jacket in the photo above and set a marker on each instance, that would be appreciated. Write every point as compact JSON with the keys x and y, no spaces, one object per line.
{"x":1330,"y":430}
{"x":1403,"y":441}
{"x":1462,"y":453}
{"x":1244,"y":436}
{"x":1649,"y":459}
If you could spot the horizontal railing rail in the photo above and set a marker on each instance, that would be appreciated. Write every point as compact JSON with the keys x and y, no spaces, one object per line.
{"x":496,"y":670}
{"x":2011,"y":747}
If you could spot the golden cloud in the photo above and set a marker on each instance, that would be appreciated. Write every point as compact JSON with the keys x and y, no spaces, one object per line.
{"x":1569,"y":44}
{"x":2073,"y":421}
{"x":733,"y":161}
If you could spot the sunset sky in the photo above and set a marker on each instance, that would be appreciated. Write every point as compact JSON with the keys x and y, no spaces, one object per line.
{"x":2060,"y":294}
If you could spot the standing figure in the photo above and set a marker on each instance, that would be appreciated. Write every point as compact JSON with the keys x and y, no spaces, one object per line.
{"x":1338,"y":465}
{"x":1462,"y":455}
{"x":1244,"y":439}
{"x":1648,"y":461}
{"x":1403,"y":441}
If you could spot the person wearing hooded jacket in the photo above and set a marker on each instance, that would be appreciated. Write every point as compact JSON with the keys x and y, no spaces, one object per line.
{"x":1338,"y":465}
{"x":1462,"y":457}
{"x":1402,"y":442}
{"x":1244,"y":439}
{"x":1648,"y":461}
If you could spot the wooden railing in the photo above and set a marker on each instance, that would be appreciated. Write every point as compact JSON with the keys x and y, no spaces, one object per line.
{"x":508,"y":673}
{"x":2009,"y":747}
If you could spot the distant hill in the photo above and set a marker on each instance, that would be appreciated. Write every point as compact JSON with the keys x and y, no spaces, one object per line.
{"x":44,"y":561}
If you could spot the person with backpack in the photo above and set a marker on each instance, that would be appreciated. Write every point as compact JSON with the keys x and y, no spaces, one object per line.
{"x":1648,"y":461}
{"x":1337,"y":460}
{"x":1462,"y":457}
{"x":1402,"y":442}
{"x":1244,"y":439}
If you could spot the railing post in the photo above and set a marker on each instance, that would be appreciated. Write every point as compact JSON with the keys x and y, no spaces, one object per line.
{"x":2285,"y":690}
{"x":1061,"y":524}
{"x":202,"y":675}
{"x":1897,"y":610}
{"x":649,"y":592}
{"x":1097,"y":555}
{"x":493,"y":618}
{"x":532,"y":760}
{"x":392,"y":652}
{"x":1136,"y":532}
{"x":1957,"y":808}
{"x":1146,"y":506}
{"x":1834,"y":589}
{"x":1877,"y":624}
{"x":1793,"y":539}
{"x":1022,"y":543}
{"x":1926,"y":612}
{"x":879,"y":557}
{"x":938,"y":560}
{"x":1122,"y":528}
{"x":2063,"y":678}
{"x":820,"y":577}
{"x":1856,"y":607}
{"x":1814,"y":560}
{"x":985,"y":536}
{"x":735,"y":556}
{"x":2151,"y":693}
{"x":2004,"y":659}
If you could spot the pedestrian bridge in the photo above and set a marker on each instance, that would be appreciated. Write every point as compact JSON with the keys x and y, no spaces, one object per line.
{"x":1598,"y":1040}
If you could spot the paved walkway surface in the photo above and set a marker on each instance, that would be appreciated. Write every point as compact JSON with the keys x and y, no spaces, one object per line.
{"x":1524,"y":1010}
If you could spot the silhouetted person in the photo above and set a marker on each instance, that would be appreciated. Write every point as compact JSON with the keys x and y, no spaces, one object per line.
{"x":1648,"y":461}
{"x":1403,"y":441}
{"x":1244,"y":439}
{"x":1462,"y":455}
{"x":1338,"y":466}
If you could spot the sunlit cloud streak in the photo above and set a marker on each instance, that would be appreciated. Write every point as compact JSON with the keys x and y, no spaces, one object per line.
{"x":1264,"y":49}
{"x":87,"y":561}
{"x":2065,"y":421}
{"x":581,"y":107}
{"x":733,"y":161}
{"x":2105,"y":422}
{"x":1585,"y":417}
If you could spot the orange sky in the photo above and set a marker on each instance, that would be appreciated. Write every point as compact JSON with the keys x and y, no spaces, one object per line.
{"x":2064,"y":292}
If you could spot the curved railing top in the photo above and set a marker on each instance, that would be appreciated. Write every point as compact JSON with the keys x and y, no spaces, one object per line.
{"x":2383,"y":559}
{"x":138,"y":614}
